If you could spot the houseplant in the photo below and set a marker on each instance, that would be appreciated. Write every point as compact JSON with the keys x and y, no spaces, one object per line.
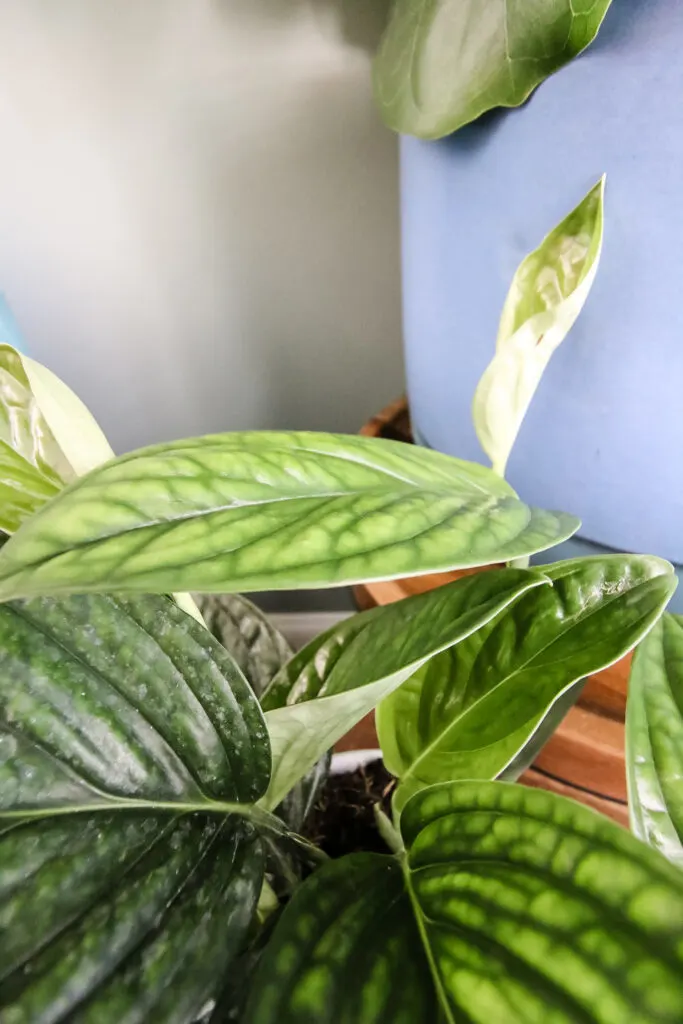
{"x":473,"y":202}
{"x":139,"y":774}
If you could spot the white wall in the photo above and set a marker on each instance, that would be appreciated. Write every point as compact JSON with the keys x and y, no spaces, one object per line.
{"x":198,"y":210}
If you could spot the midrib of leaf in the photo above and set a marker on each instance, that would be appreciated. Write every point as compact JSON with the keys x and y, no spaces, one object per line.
{"x":259,"y":817}
{"x":426,"y":945}
{"x":525,"y":666}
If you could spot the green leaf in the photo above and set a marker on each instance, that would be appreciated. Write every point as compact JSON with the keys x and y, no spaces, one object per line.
{"x":119,"y":702}
{"x":117,"y":714}
{"x":122,"y":917}
{"x":510,"y":905}
{"x":547,"y":294}
{"x":443,"y":63}
{"x":534,"y":908}
{"x":654,"y":739}
{"x":346,"y":951}
{"x":45,"y":423}
{"x":260,"y":651}
{"x":357,"y":663}
{"x":469,"y":712}
{"x":32,"y":466}
{"x":254,"y":643}
{"x":75,"y":429}
{"x":250,"y":511}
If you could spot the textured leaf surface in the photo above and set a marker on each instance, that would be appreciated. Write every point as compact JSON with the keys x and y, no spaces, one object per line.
{"x":442,"y":63}
{"x":547,"y":294}
{"x":468,"y":712}
{"x":654,"y":739}
{"x":111,"y":918}
{"x":115,"y":715}
{"x":534,"y":908}
{"x":32,"y":467}
{"x":254,"y":643}
{"x":510,"y":905}
{"x":268,"y":511}
{"x":346,"y":951}
{"x":110,"y":700}
{"x":357,"y":663}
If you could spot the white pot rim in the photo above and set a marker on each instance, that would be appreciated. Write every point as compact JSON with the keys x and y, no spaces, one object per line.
{"x":349,"y":760}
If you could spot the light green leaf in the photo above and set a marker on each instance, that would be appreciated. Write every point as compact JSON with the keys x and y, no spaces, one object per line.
{"x":443,"y":63}
{"x":468,"y":713}
{"x":654,"y":739}
{"x":75,"y":429}
{"x":250,"y":511}
{"x":339,"y":677}
{"x":32,"y":466}
{"x":547,"y":294}
{"x":116,"y":716}
{"x":510,"y":905}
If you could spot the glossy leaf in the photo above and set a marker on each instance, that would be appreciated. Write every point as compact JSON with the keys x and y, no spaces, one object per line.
{"x":349,"y":669}
{"x":119,"y":701}
{"x":547,"y":294}
{"x":654,"y":739}
{"x":260,"y":651}
{"x":534,"y":908}
{"x":117,"y":715}
{"x":62,"y":426}
{"x":32,"y":467}
{"x":75,"y":429}
{"x":254,"y":643}
{"x":443,"y":63}
{"x":346,"y":951}
{"x":469,"y":712}
{"x":122,"y":917}
{"x":268,"y":511}
{"x":510,"y":905}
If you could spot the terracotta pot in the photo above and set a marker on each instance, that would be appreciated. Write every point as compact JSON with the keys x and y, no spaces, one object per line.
{"x":585,"y":757}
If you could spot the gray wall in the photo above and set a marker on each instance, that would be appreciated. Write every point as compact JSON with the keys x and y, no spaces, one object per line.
{"x":198,"y":210}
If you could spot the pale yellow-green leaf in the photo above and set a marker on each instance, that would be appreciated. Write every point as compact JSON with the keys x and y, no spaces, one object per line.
{"x":547,"y":294}
{"x":77,"y":432}
{"x":78,"y":435}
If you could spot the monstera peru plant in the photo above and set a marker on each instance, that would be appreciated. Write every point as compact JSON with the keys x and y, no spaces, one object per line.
{"x":153,"y":778}
{"x":443,"y":63}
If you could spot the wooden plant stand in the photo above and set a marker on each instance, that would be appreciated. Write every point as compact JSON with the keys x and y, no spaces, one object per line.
{"x":585,"y":757}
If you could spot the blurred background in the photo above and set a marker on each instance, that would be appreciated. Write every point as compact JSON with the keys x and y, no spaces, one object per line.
{"x":199,"y":211}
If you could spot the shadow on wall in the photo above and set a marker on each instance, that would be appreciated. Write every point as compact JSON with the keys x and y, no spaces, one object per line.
{"x":198,"y":211}
{"x":359,"y":23}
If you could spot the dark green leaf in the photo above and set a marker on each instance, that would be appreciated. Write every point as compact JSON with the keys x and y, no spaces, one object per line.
{"x":346,"y":951}
{"x":252,"y":640}
{"x":654,"y":739}
{"x":509,"y":906}
{"x":249,"y":511}
{"x":468,"y":713}
{"x":116,"y":714}
{"x":32,"y":466}
{"x":357,"y":663}
{"x":112,"y":918}
{"x":122,"y":700}
{"x":442,"y":63}
{"x":261,"y":651}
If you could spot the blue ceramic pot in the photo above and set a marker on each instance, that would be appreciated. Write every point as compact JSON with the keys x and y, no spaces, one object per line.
{"x":604,"y":436}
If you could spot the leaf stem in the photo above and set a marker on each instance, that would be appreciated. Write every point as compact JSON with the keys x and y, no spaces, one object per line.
{"x":389,"y":834}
